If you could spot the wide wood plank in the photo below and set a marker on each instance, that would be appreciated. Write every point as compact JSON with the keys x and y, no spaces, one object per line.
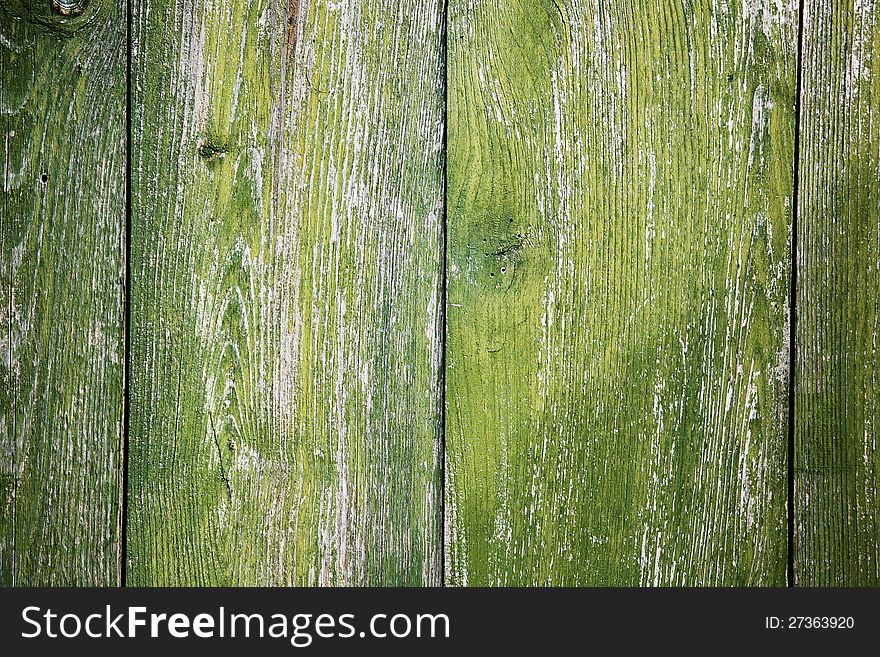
{"x":285,"y":305}
{"x":62,"y":224}
{"x":620,"y":198}
{"x":837,"y":461}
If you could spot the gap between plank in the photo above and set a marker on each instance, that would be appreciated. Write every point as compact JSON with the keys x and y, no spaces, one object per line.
{"x":444,"y":229}
{"x":792,"y":342}
{"x":123,"y":512}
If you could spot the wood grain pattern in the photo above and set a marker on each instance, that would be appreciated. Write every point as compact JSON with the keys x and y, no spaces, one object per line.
{"x":62,"y":118}
{"x":620,"y":190}
{"x":285,"y":304}
{"x":837,"y":462}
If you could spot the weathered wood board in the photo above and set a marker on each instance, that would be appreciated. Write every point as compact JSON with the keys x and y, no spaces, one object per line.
{"x":619,"y":200}
{"x":62,"y":226}
{"x":286,"y":233}
{"x":620,"y":187}
{"x":837,"y":462}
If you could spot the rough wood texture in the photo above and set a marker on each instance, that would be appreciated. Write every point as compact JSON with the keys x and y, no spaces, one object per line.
{"x":837,"y":462}
{"x":620,"y":190}
{"x":285,"y":303}
{"x":62,"y":118}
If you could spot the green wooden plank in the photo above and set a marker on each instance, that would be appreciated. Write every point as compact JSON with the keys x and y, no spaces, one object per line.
{"x":620,"y":189}
{"x":62,"y":117}
{"x":837,"y":462}
{"x":286,"y":268}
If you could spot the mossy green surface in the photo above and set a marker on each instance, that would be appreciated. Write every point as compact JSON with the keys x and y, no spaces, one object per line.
{"x":62,"y":246}
{"x":837,"y":462}
{"x":286,"y":226}
{"x":619,"y":196}
{"x":620,"y":188}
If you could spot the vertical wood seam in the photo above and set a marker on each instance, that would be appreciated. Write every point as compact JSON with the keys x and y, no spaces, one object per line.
{"x":441,"y":369}
{"x":126,"y":305}
{"x":792,"y":332}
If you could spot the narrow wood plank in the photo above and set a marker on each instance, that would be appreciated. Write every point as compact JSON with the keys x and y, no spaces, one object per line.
{"x":285,"y":302}
{"x":837,"y":461}
{"x":620,"y":192}
{"x":62,"y":117}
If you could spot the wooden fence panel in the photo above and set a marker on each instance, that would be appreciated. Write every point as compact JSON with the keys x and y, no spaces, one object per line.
{"x":837,"y":527}
{"x":62,"y":226}
{"x":620,"y":198}
{"x":619,"y":214}
{"x":286,"y":254}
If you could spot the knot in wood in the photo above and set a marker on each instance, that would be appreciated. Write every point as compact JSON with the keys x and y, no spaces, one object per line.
{"x":69,"y":8}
